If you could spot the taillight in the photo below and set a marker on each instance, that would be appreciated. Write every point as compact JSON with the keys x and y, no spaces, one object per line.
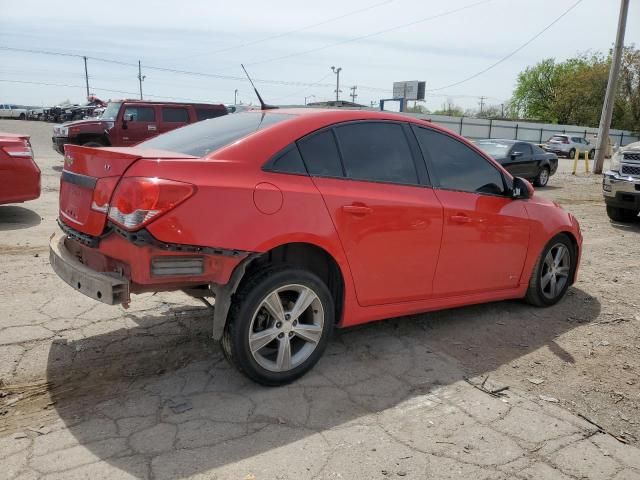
{"x":102,"y":193}
{"x":138,"y":200}
{"x":23,"y":150}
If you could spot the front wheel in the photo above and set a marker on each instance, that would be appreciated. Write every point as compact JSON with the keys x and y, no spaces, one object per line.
{"x":553,"y":273}
{"x":572,"y":153}
{"x":279,"y":325}
{"x":93,"y":144}
{"x":592,"y":154}
{"x":543,"y":177}
{"x":621,"y":214}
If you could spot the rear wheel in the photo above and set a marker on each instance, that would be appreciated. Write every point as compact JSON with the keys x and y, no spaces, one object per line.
{"x":22,"y":116}
{"x":572,"y":153}
{"x":543,"y":177}
{"x":279,"y":325}
{"x":621,"y":214}
{"x":553,"y":273}
{"x":94,"y":144}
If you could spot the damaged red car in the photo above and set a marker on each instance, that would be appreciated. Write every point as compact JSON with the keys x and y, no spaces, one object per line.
{"x":19,"y":173}
{"x":294,"y":222}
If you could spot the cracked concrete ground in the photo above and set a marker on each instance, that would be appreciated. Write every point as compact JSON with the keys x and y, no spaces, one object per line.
{"x":93,"y":391}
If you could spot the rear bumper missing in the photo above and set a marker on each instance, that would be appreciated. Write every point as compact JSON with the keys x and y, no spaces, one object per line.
{"x":111,"y":289}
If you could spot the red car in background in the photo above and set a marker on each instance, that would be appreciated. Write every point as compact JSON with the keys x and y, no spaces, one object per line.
{"x":300,"y":220}
{"x":19,"y":174}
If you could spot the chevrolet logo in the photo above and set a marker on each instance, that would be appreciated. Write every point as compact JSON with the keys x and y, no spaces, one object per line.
{"x":68,"y":160}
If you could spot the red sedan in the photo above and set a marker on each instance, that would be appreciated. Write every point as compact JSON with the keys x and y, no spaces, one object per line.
{"x":300,"y":220}
{"x":19,"y":174}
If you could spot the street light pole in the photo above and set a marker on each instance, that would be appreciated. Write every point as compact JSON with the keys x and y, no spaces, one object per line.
{"x":337,"y":72}
{"x":607,"y":109}
{"x":140,"y":77}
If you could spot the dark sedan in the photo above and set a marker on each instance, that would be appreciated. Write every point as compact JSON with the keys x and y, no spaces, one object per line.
{"x":522,"y":159}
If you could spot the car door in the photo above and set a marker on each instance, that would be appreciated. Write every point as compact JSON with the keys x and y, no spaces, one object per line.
{"x":5,"y":111}
{"x":173,"y":117}
{"x":138,"y":123}
{"x":388,"y":218}
{"x":485,"y":233}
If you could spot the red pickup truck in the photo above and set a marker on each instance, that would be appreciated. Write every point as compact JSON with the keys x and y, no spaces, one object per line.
{"x":127,"y":122}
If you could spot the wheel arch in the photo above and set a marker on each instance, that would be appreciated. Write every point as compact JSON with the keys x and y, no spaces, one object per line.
{"x":305,"y":255}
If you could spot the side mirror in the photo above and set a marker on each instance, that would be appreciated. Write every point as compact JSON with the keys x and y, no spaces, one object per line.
{"x":521,"y":189}
{"x":515,"y":155}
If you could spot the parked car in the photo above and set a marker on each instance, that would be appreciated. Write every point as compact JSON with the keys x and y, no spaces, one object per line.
{"x":127,"y":122}
{"x":19,"y":173}
{"x":568,"y":145}
{"x":299,"y":220}
{"x":12,"y":111}
{"x":522,"y":159}
{"x":621,"y":184}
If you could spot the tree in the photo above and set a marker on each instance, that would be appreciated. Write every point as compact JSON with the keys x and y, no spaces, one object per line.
{"x":572,"y":91}
{"x":450,"y":108}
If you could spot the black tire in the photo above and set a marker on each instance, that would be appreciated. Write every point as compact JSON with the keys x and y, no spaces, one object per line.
{"x":572,"y":153}
{"x":543,"y":177}
{"x":22,"y":116}
{"x":94,"y":144}
{"x":536,"y":293}
{"x":592,"y":154}
{"x":621,"y":214}
{"x":247,"y":303}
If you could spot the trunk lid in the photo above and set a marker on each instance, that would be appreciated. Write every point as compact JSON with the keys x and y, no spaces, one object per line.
{"x":89,"y":177}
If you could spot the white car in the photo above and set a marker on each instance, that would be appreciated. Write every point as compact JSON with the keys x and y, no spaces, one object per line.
{"x":12,"y":111}
{"x":568,"y":145}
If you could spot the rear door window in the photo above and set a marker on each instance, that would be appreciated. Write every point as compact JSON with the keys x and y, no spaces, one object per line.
{"x":376,"y":151}
{"x":175,"y":115}
{"x":320,"y":154}
{"x":457,"y":166}
{"x":523,"y":148}
{"x":139,"y":114}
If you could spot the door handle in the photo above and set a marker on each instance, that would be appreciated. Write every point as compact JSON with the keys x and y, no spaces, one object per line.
{"x":460,"y":219}
{"x":356,"y":209}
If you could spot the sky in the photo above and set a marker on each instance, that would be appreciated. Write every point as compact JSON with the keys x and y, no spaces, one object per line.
{"x":289,"y":46}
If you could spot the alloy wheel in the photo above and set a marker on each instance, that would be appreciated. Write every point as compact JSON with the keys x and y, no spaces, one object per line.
{"x":555,"y":271}
{"x":543,"y":177}
{"x":286,"y":328}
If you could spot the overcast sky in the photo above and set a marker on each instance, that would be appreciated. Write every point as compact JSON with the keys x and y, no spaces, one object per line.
{"x":376,"y":42}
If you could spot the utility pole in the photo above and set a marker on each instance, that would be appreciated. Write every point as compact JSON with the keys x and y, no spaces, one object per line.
{"x":337,"y":72}
{"x":310,"y":96}
{"x":86,"y":76}
{"x":353,"y":94}
{"x":607,"y":109}
{"x":502,"y":107}
{"x":482,"y":104}
{"x":140,"y":77}
{"x":235,"y":96}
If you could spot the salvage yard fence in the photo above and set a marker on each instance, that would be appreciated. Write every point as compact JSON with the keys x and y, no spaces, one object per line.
{"x":478,"y":128}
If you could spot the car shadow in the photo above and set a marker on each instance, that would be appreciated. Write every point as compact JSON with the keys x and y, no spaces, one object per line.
{"x":13,"y":217}
{"x":627,"y":226}
{"x":167,"y":400}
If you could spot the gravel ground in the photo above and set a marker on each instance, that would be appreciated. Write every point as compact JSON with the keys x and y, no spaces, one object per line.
{"x":80,"y":375}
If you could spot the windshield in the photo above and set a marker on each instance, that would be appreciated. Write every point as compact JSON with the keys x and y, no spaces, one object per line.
{"x":111,"y":112}
{"x":495,"y":149}
{"x":202,"y":138}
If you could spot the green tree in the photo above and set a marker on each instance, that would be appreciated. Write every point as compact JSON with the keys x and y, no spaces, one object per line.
{"x":573,"y":91}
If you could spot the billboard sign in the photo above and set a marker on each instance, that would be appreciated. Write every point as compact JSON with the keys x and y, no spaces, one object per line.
{"x":411,"y":90}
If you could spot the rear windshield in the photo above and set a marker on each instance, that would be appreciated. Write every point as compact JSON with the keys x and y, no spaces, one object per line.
{"x":202,"y":138}
{"x":495,"y":149}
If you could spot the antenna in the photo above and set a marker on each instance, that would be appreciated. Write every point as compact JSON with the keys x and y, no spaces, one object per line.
{"x":263,"y":105}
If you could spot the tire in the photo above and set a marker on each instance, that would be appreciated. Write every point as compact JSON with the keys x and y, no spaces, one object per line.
{"x":592,"y":154}
{"x":572,"y":153}
{"x":94,"y":144}
{"x":618,"y":214}
{"x":251,"y":314}
{"x":543,"y":177}
{"x":544,"y":293}
{"x":22,"y":116}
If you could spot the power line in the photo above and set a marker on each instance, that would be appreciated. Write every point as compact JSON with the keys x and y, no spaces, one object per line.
{"x":511,"y":54}
{"x":93,"y":88}
{"x":291,"y":32}
{"x":373,"y":34}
